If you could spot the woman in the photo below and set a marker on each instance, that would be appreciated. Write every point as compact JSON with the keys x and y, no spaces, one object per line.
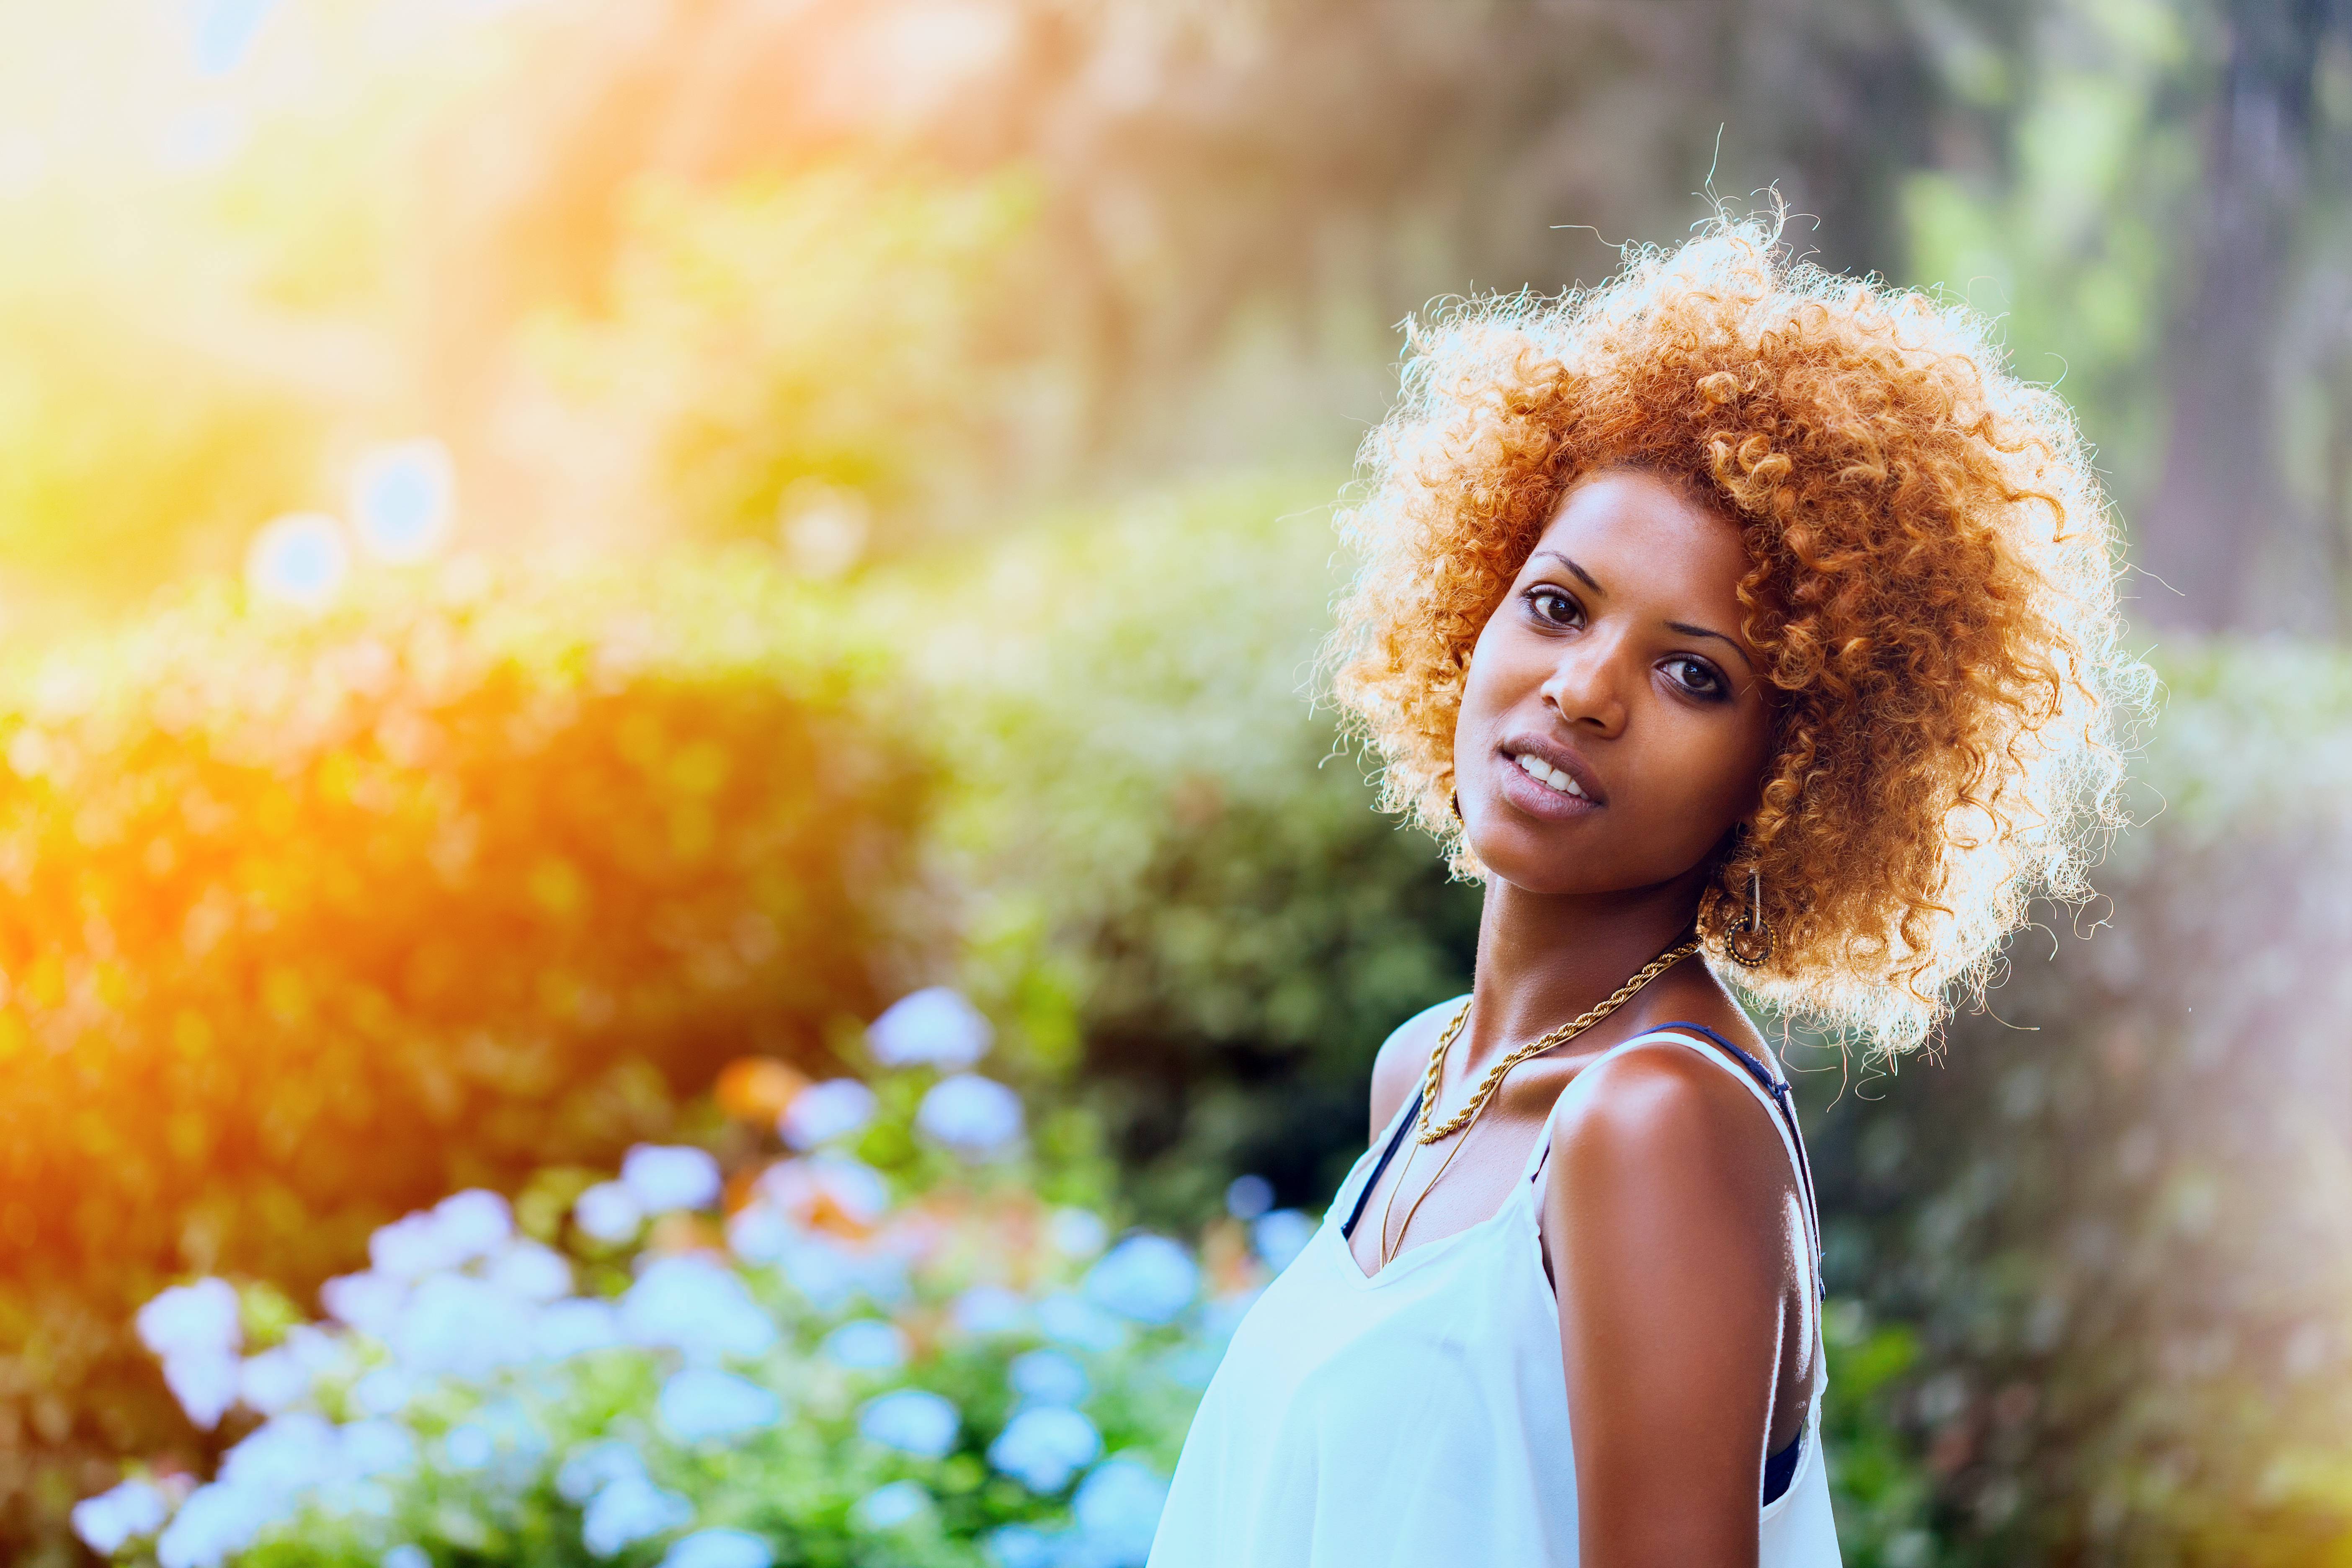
{"x":1743,"y":628}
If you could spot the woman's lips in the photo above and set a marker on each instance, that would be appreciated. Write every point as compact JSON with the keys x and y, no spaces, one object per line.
{"x":1539,"y":798}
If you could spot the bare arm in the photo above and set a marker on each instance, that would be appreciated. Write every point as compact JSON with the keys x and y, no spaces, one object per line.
{"x":1666,"y":1222}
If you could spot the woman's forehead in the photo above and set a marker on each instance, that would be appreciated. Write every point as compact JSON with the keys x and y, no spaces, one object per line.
{"x":1650,"y":533}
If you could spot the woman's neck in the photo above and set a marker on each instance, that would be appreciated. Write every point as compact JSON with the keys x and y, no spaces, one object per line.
{"x":1544,"y":959}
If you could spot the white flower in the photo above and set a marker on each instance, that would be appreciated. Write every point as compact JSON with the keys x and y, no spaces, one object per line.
{"x":693,"y":1305}
{"x":825,"y":1112}
{"x":385,"y":1390}
{"x":890,"y":1506}
{"x":1118,"y":1510}
{"x":932,"y":1027}
{"x":375,"y":1447}
{"x":866,"y":1344}
{"x":608,"y":1211}
{"x":665,"y":1178}
{"x":192,"y":1320}
{"x":973,"y":1115}
{"x":405,"y":1556}
{"x":1048,"y":1377}
{"x":1044,"y":1445}
{"x":912,"y":1420}
{"x":1023,"y":1546}
{"x":299,"y":559}
{"x":112,"y":1519}
{"x":720,"y":1549}
{"x":702,"y":1403}
{"x":1281,"y":1236}
{"x":1147,"y":1278}
{"x":402,"y":497}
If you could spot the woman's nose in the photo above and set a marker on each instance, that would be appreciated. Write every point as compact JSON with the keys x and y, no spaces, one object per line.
{"x":1585,"y":689}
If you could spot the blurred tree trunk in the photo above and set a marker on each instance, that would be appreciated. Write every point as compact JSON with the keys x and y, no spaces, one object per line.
{"x":2222,"y":500}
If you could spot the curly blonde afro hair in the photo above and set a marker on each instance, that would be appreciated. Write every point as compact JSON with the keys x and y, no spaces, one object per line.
{"x":1931,"y":588}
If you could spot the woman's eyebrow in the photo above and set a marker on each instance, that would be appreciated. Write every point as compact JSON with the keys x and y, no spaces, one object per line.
{"x":1691,"y":631}
{"x":1581,"y":575}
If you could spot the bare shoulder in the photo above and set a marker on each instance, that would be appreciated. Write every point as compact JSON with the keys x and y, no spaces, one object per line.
{"x":1663,"y":1116}
{"x":1403,"y":1057}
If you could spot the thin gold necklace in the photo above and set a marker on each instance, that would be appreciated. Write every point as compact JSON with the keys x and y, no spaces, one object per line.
{"x":1425,"y":1133}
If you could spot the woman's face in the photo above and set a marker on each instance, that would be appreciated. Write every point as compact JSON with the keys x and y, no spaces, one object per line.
{"x":1613,"y":727}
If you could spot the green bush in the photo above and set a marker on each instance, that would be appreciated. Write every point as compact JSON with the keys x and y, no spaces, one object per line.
{"x":311,"y":920}
{"x":1154,"y":822}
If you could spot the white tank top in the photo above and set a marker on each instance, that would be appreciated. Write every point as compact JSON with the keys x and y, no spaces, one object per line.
{"x":1420,"y":1416}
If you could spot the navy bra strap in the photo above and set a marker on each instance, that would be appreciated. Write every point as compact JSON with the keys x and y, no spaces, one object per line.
{"x":1396,"y":1141}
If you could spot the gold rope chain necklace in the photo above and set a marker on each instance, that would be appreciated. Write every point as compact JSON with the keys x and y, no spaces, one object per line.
{"x":1424,"y":1133}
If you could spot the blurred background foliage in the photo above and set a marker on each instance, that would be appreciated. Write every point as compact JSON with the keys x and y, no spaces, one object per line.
{"x":891,"y":445}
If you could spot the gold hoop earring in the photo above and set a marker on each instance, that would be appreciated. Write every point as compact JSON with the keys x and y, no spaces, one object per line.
{"x":1456,"y":803}
{"x":1747,"y":939}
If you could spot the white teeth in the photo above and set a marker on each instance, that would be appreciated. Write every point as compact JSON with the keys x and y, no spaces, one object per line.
{"x":1535,"y":768}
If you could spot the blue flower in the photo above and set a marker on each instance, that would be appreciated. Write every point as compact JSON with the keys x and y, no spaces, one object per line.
{"x":1246,"y":1197}
{"x":1074,"y":1321}
{"x":299,"y":559}
{"x":932,"y":1027}
{"x":405,"y":1556}
{"x":701,"y":1403}
{"x":375,"y":1447}
{"x":572,"y":1327}
{"x":1118,"y":1510}
{"x":591,"y":1468}
{"x":1281,"y":1236}
{"x":468,"y":1447}
{"x":387,"y":1391}
{"x":1077,"y":1233}
{"x":1021,"y":1546}
{"x":693,"y":1305}
{"x":192,"y":1320}
{"x":720,"y":1549}
{"x":608,"y":1211}
{"x":888,"y":1507}
{"x":401,"y":498}
{"x":215,"y":1521}
{"x":530,"y":1272}
{"x":370,"y":1302}
{"x":111,"y":1520}
{"x":205,"y":1384}
{"x":1147,"y":1278}
{"x":457,"y":1324}
{"x":973,"y":1115}
{"x":460,"y":1228}
{"x":912,"y":1420}
{"x":1048,"y":1377}
{"x":825,"y":1112}
{"x":756,"y":1233}
{"x":665,"y":1178}
{"x":866,"y":1344}
{"x":1044,"y":1445}
{"x":630,"y":1509}
{"x":990,"y":1310}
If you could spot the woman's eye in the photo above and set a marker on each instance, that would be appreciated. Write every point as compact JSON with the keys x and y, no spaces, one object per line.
{"x":1554,"y":608}
{"x":1697,"y":677}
